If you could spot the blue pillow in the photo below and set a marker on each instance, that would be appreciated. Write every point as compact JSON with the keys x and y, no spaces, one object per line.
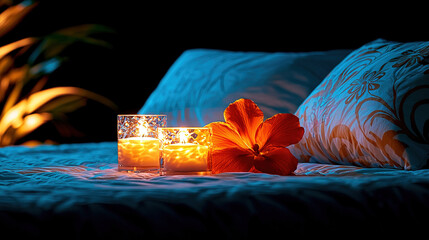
{"x":203,"y":82}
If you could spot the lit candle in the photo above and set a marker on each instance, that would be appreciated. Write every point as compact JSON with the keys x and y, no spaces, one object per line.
{"x":186,"y":157}
{"x":138,"y":153}
{"x":138,"y":145}
{"x":185,"y":150}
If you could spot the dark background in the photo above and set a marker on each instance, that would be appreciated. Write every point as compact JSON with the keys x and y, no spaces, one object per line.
{"x":149,"y":38}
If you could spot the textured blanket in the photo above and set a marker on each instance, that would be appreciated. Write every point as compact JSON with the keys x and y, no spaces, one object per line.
{"x":75,"y":191}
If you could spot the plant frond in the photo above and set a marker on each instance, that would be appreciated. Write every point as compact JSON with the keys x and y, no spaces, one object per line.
{"x":30,"y":123}
{"x":25,"y":107}
{"x":38,"y":99}
{"x":63,"y":105}
{"x":14,"y":117}
{"x":10,"y":17}
{"x":53,"y":44}
{"x":6,"y":49}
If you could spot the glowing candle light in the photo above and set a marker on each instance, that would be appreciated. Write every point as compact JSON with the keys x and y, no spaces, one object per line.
{"x":138,"y":153}
{"x":138,"y":145}
{"x":186,"y":150}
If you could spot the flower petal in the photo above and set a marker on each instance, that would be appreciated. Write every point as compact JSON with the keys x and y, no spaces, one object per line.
{"x":281,"y":130}
{"x":224,"y":136}
{"x":276,"y":160}
{"x":245,"y":116}
{"x":231,"y":160}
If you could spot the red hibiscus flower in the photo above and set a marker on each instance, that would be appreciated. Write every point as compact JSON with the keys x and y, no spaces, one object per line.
{"x":245,"y":143}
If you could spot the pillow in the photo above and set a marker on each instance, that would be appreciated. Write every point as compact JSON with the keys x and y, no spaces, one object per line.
{"x":372,"y":110}
{"x":203,"y":82}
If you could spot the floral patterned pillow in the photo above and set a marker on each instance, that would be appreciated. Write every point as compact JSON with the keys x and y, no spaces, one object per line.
{"x":372,"y":110}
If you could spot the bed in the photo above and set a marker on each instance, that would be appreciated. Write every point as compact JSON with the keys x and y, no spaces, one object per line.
{"x":73,"y":191}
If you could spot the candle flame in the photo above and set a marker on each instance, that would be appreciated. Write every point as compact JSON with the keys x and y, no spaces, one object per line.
{"x":142,"y":129}
{"x":183,"y":135}
{"x":161,"y":136}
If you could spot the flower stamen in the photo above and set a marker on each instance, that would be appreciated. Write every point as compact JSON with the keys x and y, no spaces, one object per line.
{"x":255,"y":149}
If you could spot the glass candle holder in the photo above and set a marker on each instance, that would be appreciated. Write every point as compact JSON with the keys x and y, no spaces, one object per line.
{"x":138,"y":144}
{"x":186,"y":151}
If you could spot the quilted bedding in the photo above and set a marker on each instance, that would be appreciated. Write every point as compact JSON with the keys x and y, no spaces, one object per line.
{"x":74,"y":191}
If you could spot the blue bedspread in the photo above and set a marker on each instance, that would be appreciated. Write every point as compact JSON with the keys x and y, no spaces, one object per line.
{"x":75,"y":190}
